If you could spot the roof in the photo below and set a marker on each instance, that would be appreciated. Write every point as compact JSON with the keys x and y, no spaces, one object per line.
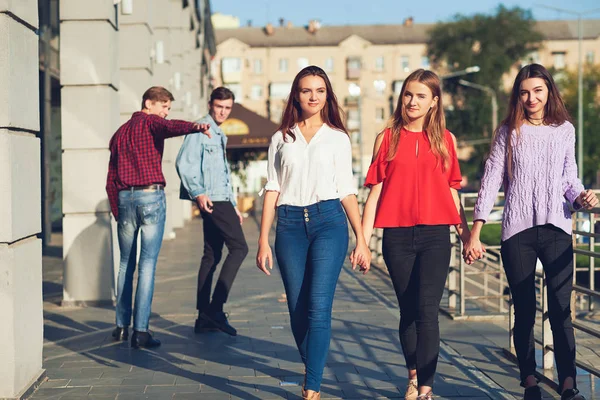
{"x":247,"y":130}
{"x":381,"y":34}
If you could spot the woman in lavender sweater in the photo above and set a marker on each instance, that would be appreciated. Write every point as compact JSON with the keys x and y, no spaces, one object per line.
{"x":533,"y":155}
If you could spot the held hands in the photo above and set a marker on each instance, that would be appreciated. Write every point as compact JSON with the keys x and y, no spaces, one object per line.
{"x":472,"y":249}
{"x":264,"y":258}
{"x":205,"y":204}
{"x":204,"y":128}
{"x":587,"y":199}
{"x":361,"y":256}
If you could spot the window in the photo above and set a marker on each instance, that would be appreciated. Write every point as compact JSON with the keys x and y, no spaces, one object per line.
{"x":533,"y":57}
{"x":256,"y":92}
{"x":404,"y":63}
{"x":379,"y":85}
{"x":231,"y":64}
{"x":379,"y":63}
{"x":589,"y":57}
{"x":379,"y":114}
{"x":328,"y":65}
{"x":559,"y":59}
{"x":236,"y":88}
{"x":353,"y":66}
{"x":353,"y":120}
{"x":283,"y":65}
{"x":279,"y":90}
{"x":302,"y":63}
{"x":425,"y":62}
{"x":398,"y":87}
{"x":258,"y":66}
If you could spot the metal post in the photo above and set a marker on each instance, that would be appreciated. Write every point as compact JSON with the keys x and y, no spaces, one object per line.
{"x":452,"y":273}
{"x":548,"y":356}
{"x":592,"y":260}
{"x":501,"y":289}
{"x":580,"y":101}
{"x":462,"y":286}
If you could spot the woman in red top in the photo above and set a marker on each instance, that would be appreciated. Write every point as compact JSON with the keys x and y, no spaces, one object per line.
{"x":414,"y":180}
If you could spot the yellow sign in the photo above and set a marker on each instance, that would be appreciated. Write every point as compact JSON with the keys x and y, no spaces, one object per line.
{"x":235,"y":127}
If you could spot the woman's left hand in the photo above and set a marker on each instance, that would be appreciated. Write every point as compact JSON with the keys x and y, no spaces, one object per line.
{"x":361,"y":256}
{"x":588,"y":199}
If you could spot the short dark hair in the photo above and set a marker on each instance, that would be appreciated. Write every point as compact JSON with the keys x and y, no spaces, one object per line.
{"x":156,"y":93}
{"x":222,"y":93}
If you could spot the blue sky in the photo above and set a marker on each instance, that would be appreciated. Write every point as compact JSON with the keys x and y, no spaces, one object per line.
{"x":353,"y":12}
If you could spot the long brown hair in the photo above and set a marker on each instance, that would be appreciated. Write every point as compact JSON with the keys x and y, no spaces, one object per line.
{"x":331,"y":113}
{"x":434,"y":124}
{"x":555,"y":112}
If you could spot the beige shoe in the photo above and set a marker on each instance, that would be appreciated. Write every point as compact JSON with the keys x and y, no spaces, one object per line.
{"x":314,"y":396}
{"x":428,"y":396}
{"x":412,"y":390}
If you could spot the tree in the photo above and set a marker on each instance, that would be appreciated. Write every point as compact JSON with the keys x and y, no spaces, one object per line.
{"x":495,"y":43}
{"x":567,"y":82}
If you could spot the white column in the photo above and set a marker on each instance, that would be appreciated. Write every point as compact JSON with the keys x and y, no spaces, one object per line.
{"x":89,"y":60}
{"x":21,"y":302}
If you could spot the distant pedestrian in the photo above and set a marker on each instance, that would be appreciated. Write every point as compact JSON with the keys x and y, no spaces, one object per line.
{"x":414,"y":180}
{"x":310,"y":185}
{"x":135,"y":187}
{"x":533,"y":155}
{"x":206,"y":179}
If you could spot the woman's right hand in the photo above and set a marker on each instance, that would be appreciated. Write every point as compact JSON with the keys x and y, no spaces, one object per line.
{"x":473,"y":250}
{"x":264,"y":258}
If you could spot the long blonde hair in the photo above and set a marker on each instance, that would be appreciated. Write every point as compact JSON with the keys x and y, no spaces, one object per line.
{"x":434,"y":124}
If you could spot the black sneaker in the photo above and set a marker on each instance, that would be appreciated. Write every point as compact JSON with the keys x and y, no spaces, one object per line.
{"x":143,"y":339}
{"x":532,"y":393}
{"x":203,"y":325}
{"x":219,"y":319}
{"x":120,"y":334}
{"x":571,"y":394}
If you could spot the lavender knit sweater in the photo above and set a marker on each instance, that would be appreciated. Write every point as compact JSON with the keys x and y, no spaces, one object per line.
{"x":544,"y":178}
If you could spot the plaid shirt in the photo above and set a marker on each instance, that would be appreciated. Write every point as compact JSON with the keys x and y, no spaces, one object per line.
{"x":136,"y":152}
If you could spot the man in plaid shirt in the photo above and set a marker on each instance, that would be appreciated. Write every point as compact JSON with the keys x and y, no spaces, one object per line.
{"x":135,"y":186}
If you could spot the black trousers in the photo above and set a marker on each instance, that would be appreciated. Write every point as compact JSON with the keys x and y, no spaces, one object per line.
{"x":418,"y":259}
{"x":554,"y":248}
{"x":222,"y":226}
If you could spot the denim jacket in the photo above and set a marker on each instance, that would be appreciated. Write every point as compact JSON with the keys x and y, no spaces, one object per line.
{"x":202,"y":165}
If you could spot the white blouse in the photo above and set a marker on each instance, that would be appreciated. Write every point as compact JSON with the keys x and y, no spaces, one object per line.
{"x":306,"y":173}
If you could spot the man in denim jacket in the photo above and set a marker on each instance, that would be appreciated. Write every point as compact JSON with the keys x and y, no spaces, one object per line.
{"x":206,"y":179}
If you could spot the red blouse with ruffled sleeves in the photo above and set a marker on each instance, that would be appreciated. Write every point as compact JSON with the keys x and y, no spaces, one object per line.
{"x":416,"y":189}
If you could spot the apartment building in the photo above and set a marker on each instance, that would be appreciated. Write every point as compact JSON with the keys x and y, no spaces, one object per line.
{"x":367,"y":65}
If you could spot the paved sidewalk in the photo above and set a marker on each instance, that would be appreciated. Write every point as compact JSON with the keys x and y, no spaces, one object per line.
{"x":365,"y":360}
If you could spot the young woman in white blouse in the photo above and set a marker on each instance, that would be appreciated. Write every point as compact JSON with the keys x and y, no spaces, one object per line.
{"x":310,"y":184}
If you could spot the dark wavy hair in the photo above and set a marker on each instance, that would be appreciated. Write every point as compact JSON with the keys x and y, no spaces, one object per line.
{"x":331,"y":113}
{"x":555,"y":112}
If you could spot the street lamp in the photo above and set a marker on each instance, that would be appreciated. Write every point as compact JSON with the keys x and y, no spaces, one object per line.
{"x":468,"y":70}
{"x":579,"y":80}
{"x":492,"y":94}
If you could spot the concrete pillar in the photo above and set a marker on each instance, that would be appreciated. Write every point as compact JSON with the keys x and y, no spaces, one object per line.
{"x":21,"y":302}
{"x":89,"y":60}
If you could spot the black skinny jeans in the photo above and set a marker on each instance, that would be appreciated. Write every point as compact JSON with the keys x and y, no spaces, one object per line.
{"x":554,"y":248}
{"x":418,"y":259}
{"x":222,"y":226}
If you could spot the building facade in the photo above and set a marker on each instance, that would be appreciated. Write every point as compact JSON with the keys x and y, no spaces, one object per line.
{"x":366,"y":64}
{"x":71,"y":72}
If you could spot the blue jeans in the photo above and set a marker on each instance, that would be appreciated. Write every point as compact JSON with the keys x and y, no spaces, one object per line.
{"x":310,"y":245}
{"x":139,"y":211}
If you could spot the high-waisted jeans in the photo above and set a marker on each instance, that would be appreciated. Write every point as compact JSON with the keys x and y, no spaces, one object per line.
{"x":311,"y":245}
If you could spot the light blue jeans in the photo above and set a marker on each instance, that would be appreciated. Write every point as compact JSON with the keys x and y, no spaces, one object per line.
{"x":311,"y":244}
{"x":139,"y":211}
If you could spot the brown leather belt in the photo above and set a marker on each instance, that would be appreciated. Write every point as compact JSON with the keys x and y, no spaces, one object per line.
{"x":149,"y":187}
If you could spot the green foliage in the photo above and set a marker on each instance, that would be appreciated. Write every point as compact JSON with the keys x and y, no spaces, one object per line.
{"x":495,"y":43}
{"x":567,"y":82}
